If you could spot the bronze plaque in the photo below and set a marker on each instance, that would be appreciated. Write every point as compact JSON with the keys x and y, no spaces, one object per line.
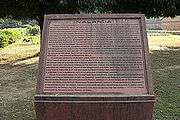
{"x":94,"y":54}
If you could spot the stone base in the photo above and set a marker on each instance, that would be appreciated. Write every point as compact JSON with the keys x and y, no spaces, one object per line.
{"x":94,"y":107}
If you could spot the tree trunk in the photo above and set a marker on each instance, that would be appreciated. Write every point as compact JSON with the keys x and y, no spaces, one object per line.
{"x":41,"y":24}
{"x":40,"y":20}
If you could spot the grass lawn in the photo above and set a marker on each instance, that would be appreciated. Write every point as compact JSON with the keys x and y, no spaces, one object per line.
{"x":18,"y":69}
{"x":166,"y":78}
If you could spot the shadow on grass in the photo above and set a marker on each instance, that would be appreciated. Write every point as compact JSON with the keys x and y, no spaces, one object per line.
{"x":18,"y":83}
{"x":164,"y":58}
{"x":12,"y":64}
{"x":166,"y":77}
{"x":26,"y":58}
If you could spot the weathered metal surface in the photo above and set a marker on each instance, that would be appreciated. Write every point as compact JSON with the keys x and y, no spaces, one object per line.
{"x":94,"y":54}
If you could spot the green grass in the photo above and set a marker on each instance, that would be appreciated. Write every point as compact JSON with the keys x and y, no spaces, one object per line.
{"x":18,"y":70}
{"x":167,"y":91}
{"x":166,"y":77}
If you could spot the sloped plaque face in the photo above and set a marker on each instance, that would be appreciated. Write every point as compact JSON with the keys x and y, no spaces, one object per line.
{"x":93,"y":54}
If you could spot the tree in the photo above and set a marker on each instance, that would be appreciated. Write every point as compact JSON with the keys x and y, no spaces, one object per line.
{"x":178,"y":7}
{"x":36,"y":9}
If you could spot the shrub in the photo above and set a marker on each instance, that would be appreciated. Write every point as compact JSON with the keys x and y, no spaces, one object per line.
{"x":9,"y":36}
{"x":33,"y":30}
{"x":32,"y":39}
{"x":3,"y":40}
